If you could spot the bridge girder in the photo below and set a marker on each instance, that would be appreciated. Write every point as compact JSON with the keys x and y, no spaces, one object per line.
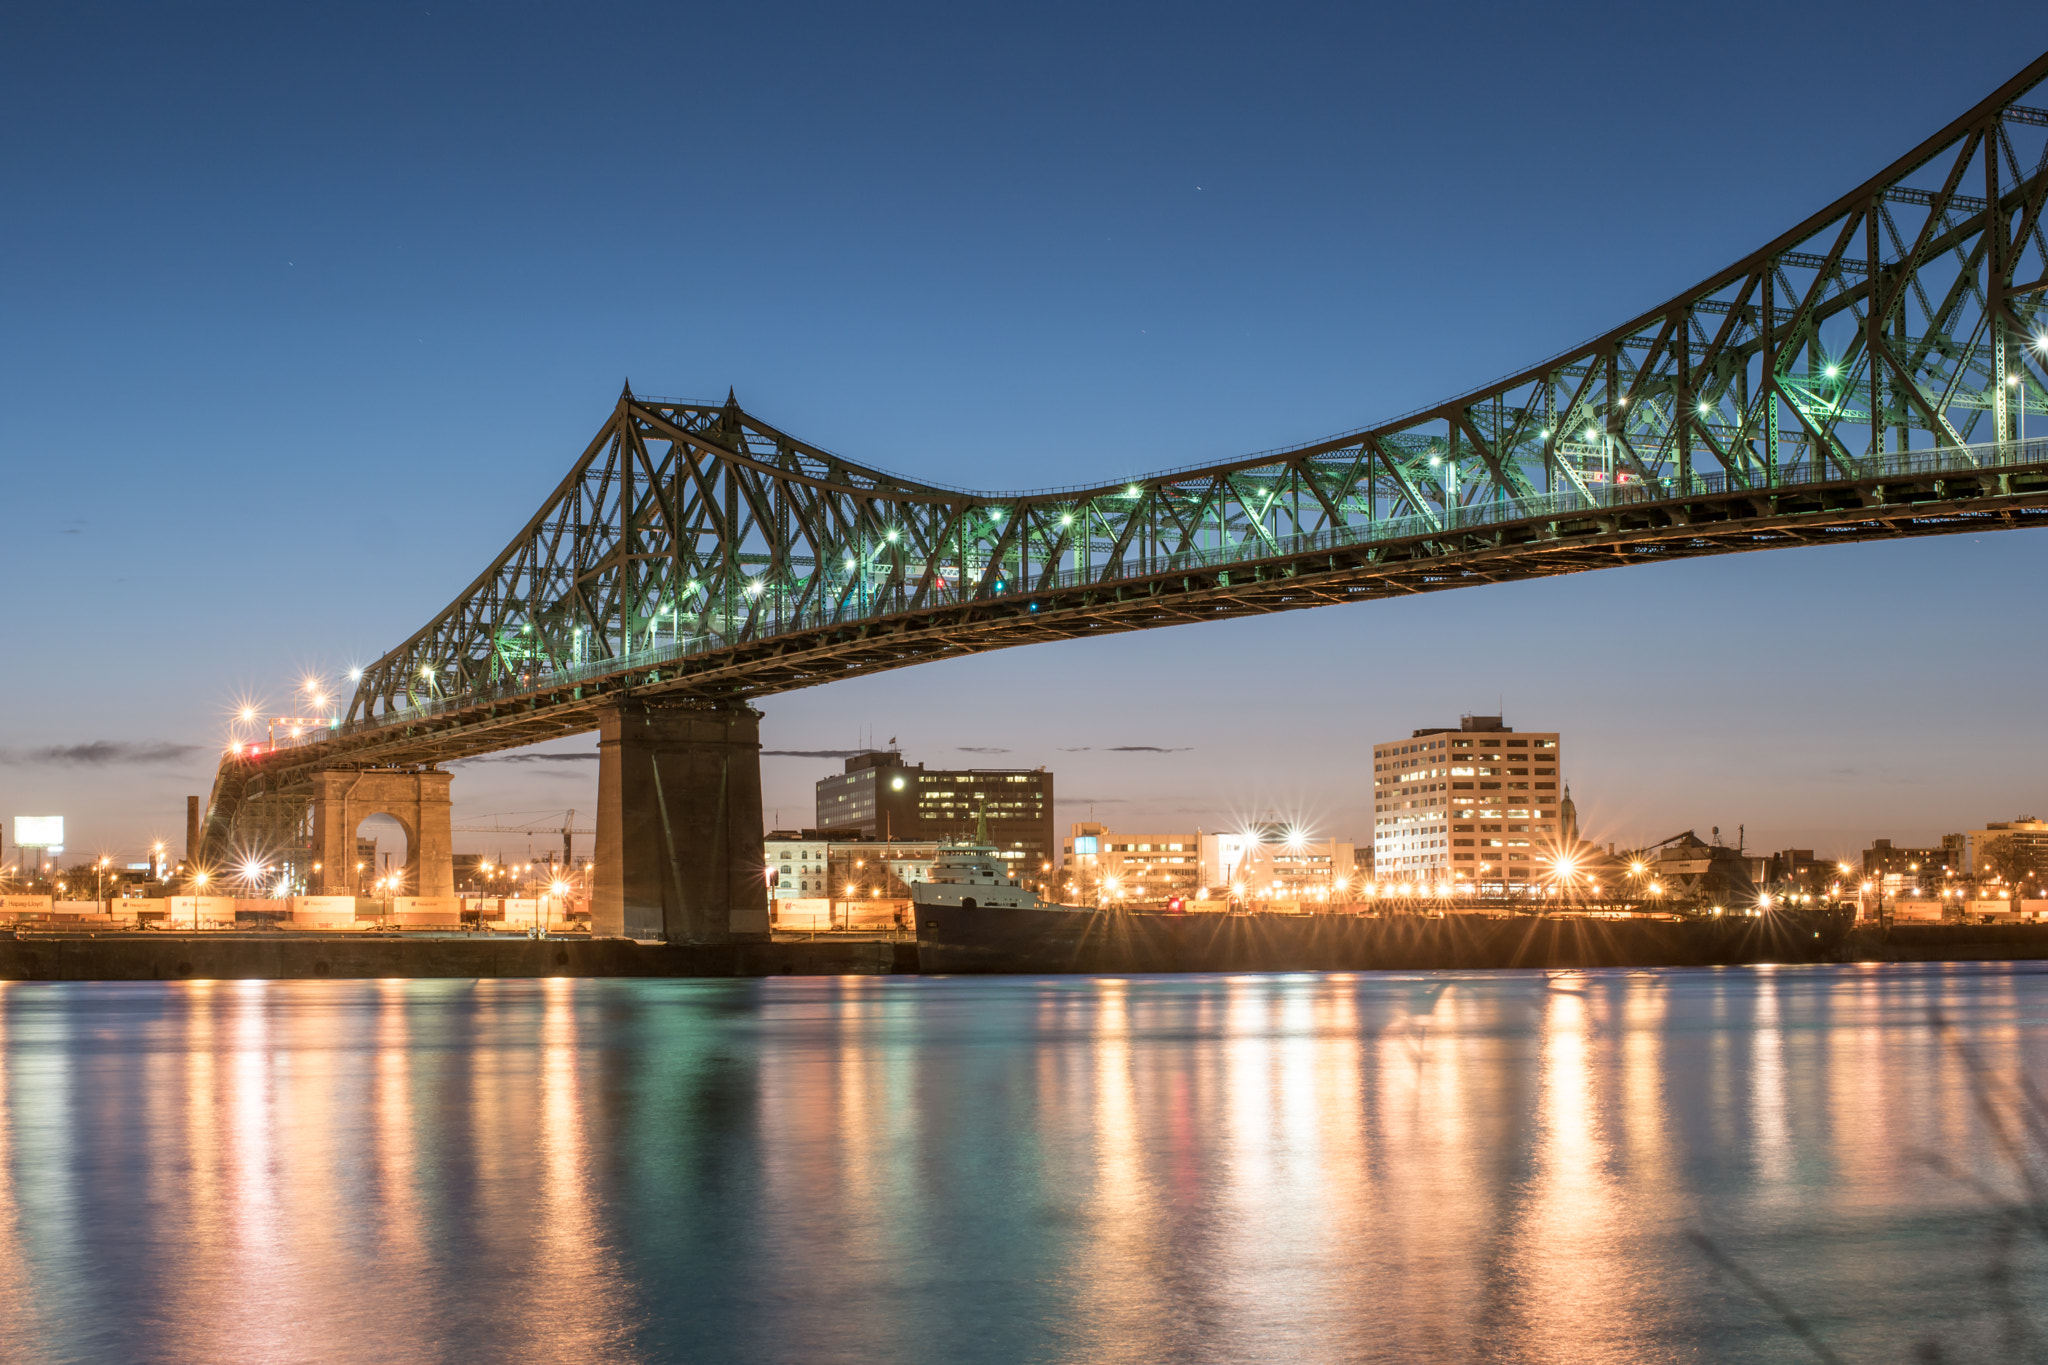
{"x":1648,"y":529}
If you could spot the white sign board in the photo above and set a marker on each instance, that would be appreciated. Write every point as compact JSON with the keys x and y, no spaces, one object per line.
{"x":38,"y":831}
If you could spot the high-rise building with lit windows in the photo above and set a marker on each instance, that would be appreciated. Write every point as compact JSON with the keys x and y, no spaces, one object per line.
{"x":1476,"y":805}
{"x":880,"y":796}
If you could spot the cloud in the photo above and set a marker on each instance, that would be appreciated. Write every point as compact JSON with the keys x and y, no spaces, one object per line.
{"x":812,"y":753}
{"x":99,"y":753}
{"x":1128,"y":749}
{"x":980,"y":749}
{"x":533,"y":758}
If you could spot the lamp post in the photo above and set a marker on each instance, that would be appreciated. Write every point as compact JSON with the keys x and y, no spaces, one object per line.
{"x":199,"y":885}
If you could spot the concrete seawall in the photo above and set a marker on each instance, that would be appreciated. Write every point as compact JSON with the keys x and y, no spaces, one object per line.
{"x":259,"y":956}
{"x":1946,"y":943}
{"x":235,"y":957}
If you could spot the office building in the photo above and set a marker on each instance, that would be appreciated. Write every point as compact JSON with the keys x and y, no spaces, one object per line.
{"x":1900,"y":868}
{"x":1102,"y":863}
{"x":881,"y":797}
{"x":1271,"y":861}
{"x":2028,"y":833}
{"x":1797,"y":870}
{"x":1476,"y":805}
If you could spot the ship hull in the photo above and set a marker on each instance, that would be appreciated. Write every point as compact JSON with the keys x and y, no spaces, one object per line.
{"x":955,"y":940}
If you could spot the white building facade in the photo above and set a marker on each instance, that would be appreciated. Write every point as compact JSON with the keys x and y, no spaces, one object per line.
{"x":1472,"y":807}
{"x":1272,"y":862}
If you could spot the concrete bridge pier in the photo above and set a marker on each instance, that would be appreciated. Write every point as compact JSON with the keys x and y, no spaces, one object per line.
{"x":679,"y":853}
{"x":417,"y":799}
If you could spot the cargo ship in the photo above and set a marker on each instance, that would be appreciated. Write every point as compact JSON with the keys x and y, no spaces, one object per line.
{"x":959,"y":930}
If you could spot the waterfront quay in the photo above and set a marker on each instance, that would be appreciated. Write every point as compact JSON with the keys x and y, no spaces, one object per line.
{"x":1557,"y":944}
{"x":60,"y":955}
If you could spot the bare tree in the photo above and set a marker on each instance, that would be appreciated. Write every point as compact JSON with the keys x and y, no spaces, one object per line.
{"x":2012,"y":861}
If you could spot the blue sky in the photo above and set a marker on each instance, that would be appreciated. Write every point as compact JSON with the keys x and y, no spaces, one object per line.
{"x":305,"y":311}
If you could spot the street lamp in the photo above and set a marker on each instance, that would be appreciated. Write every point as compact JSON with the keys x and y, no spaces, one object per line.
{"x":199,"y":883}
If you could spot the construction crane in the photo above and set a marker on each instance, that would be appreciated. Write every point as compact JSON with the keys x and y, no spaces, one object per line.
{"x":544,"y":825}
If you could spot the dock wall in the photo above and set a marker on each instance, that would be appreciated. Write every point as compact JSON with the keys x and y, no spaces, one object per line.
{"x":280,"y":956}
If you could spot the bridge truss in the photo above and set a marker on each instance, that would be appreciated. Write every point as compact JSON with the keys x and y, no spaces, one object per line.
{"x":1865,"y":375}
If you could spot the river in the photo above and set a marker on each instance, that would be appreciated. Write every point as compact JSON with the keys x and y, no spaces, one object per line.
{"x":1604,"y":1166}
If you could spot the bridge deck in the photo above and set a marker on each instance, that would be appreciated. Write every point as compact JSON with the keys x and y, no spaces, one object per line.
{"x":1922,"y":493}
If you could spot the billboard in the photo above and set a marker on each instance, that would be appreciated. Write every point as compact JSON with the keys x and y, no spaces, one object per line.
{"x":38,"y":831}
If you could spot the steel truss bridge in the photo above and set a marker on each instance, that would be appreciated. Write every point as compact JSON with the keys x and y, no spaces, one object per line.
{"x":1864,"y":376}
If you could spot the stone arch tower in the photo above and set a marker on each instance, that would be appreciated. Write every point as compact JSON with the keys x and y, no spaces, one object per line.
{"x":416,"y":798}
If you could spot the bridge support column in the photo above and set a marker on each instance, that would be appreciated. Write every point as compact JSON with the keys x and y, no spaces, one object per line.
{"x":418,"y":800}
{"x":679,"y":853}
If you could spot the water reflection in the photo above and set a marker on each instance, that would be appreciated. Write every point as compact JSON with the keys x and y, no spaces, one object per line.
{"x":1485,"y":1166}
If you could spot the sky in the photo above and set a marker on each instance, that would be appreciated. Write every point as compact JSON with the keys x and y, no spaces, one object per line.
{"x":304,"y":310}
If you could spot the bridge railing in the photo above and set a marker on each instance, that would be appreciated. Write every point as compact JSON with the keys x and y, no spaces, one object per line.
{"x":769,"y":623}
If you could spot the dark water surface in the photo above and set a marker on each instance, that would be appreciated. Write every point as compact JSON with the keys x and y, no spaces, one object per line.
{"x":1454,"y":1166}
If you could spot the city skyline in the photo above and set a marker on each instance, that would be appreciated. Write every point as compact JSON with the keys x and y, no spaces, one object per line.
{"x":944,"y":685}
{"x":248,"y":557}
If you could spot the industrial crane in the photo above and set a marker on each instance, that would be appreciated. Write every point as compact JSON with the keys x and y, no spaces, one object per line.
{"x":543,"y":825}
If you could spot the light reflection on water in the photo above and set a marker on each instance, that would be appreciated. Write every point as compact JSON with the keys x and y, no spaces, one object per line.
{"x":1480,"y":1166}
